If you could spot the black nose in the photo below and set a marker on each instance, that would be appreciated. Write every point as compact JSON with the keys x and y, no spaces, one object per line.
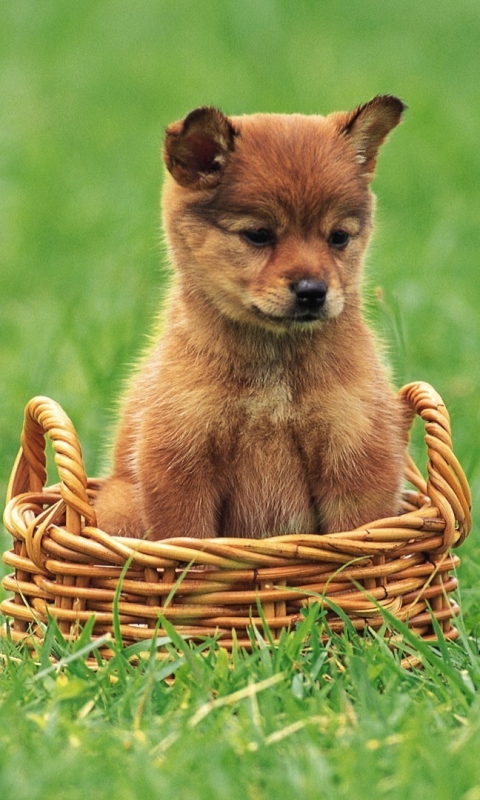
{"x":310,"y":294}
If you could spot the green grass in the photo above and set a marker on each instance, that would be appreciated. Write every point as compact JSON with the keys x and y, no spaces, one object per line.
{"x":334,"y":721}
{"x":86,"y":91}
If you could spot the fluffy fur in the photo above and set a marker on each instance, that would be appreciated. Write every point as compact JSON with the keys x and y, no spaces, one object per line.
{"x":264,"y":407}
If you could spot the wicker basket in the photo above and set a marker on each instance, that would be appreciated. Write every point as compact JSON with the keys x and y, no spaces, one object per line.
{"x":65,"y":566}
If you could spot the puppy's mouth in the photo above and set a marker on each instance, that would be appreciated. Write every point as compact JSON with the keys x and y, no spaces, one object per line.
{"x":302,"y":317}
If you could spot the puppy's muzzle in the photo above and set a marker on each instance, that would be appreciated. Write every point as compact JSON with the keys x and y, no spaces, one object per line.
{"x":310,"y":296}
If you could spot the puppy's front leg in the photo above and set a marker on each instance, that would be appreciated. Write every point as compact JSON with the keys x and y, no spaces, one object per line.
{"x":346,"y":511}
{"x":178,"y":498}
{"x":363,"y":489}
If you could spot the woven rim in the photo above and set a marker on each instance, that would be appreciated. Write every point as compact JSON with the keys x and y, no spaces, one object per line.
{"x":67,"y":566}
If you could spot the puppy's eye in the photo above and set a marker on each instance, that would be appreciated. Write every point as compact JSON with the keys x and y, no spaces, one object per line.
{"x":338,"y":239}
{"x":260,"y":237}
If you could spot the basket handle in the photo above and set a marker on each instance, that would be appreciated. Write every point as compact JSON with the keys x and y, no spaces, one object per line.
{"x":45,"y":417}
{"x":447,"y":485}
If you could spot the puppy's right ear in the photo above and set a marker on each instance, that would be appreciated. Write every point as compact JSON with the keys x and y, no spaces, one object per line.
{"x":196,"y":148}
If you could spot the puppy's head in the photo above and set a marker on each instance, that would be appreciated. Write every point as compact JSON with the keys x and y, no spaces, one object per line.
{"x":268,"y":215}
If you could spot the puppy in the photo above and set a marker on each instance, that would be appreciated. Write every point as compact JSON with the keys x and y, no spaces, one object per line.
{"x":263,"y":408}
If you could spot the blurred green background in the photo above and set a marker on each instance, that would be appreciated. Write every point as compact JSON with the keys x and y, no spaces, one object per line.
{"x":86,"y":90}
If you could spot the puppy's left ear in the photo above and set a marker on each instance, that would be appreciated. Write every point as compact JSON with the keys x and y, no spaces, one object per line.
{"x":368,"y":126}
{"x":196,"y":148}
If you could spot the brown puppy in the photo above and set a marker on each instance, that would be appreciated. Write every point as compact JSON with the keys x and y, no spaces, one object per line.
{"x":264,"y":408}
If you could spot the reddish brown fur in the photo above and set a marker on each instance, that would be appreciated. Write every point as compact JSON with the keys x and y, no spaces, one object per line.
{"x":245,"y":420}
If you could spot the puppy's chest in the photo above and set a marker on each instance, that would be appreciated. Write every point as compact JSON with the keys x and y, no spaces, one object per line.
{"x":275,"y":423}
{"x":264,"y":424}
{"x":265,"y":407}
{"x":266,"y":475}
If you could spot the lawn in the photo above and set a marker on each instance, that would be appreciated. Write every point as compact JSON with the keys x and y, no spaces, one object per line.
{"x":87,"y":90}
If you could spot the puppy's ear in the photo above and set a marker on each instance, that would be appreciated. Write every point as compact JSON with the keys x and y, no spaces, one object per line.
{"x":368,"y":125}
{"x":196,"y":148}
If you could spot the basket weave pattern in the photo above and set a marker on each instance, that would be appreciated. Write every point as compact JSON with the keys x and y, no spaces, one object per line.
{"x":65,"y":566}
